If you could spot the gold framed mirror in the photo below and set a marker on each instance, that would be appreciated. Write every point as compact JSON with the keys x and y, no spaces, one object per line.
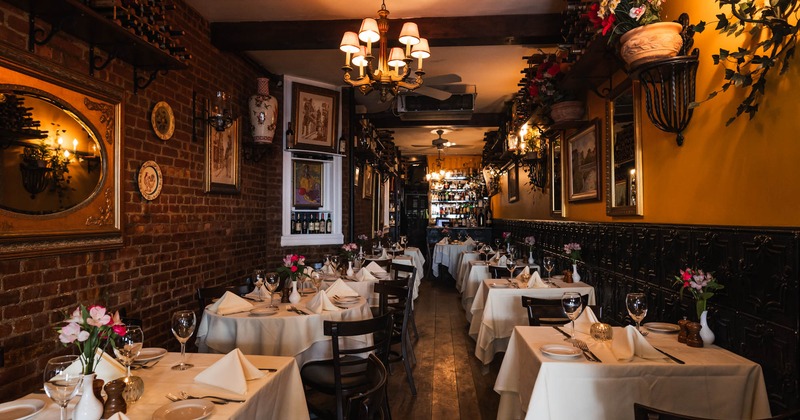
{"x":624,"y":195}
{"x":558,"y":206}
{"x":60,"y":156}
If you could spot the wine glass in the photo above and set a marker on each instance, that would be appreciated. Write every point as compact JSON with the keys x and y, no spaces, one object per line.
{"x":258,"y":281}
{"x":59,"y":384}
{"x":183,"y":323}
{"x":272,"y":285}
{"x":403,"y":240}
{"x":497,"y":243}
{"x":316,"y":279}
{"x":128,"y":346}
{"x":335,"y":263}
{"x":572,"y":304}
{"x":549,"y":265}
{"x":637,"y":308}
{"x":511,"y":265}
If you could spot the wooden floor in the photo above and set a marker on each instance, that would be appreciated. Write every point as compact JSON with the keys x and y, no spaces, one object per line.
{"x":451,"y":381}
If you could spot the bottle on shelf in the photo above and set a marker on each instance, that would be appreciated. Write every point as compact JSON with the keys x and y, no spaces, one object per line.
{"x":305,"y":224}
{"x":489,"y":216}
{"x":481,"y":218}
{"x":329,"y":225}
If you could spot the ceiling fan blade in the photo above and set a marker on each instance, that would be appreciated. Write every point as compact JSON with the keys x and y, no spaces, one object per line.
{"x":433,"y":93}
{"x":421,"y":145}
{"x":443,"y":79}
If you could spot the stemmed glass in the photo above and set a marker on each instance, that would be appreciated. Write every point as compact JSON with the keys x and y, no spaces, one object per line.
{"x":497,"y":243}
{"x":511,"y":264}
{"x":637,"y":308}
{"x":272,"y":285}
{"x":572,"y":304}
{"x":549,"y":265}
{"x":335,"y":263}
{"x":126,"y":348}
{"x":403,"y":240}
{"x":258,"y":281}
{"x":316,"y":279}
{"x":59,"y":384}
{"x":183,"y":323}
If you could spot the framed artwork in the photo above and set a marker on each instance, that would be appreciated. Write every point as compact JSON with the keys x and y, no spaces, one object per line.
{"x":315,"y":112}
{"x":307,"y":184}
{"x":222,"y":159}
{"x":513,"y":184}
{"x":356,"y":174}
{"x":342,"y":146}
{"x":583,"y":164}
{"x":368,"y":183}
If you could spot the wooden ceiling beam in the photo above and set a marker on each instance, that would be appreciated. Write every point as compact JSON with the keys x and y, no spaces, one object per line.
{"x":542,"y":29}
{"x":389,"y":120}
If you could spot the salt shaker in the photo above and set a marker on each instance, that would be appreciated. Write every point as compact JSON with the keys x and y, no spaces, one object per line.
{"x":683,"y":332}
{"x":115,"y":402}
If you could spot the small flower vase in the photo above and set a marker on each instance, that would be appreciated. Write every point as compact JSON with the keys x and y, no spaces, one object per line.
{"x":531,"y":262}
{"x":263,"y":113}
{"x":705,"y":333}
{"x":350,"y":271}
{"x":508,"y":248}
{"x":575,"y":276}
{"x":294,"y":298}
{"x":88,"y":406}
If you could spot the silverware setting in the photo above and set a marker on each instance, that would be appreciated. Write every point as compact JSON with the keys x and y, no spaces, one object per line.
{"x":183,"y":395}
{"x":176,"y":398}
{"x":673,"y":358}
{"x":145,"y":365}
{"x":295,"y":310}
{"x":268,"y":369}
{"x":586,"y":352}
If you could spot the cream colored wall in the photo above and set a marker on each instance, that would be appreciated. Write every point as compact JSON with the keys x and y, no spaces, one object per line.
{"x":743,"y":174}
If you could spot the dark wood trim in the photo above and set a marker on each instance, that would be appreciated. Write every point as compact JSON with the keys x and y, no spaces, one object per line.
{"x":440,"y":32}
{"x":388,"y":120}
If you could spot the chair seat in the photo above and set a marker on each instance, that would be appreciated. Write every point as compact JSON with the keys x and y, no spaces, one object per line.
{"x":319,"y":375}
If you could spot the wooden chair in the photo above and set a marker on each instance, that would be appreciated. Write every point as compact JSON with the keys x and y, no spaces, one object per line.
{"x":403,"y":272}
{"x":398,"y":300}
{"x":370,"y":404}
{"x":384,"y":264}
{"x":643,"y":412}
{"x":345,"y":374}
{"x":549,"y":311}
{"x":499,"y":272}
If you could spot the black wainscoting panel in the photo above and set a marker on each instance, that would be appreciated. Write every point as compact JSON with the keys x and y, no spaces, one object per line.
{"x":757,"y":315}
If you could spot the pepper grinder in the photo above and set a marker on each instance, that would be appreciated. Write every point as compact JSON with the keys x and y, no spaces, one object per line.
{"x":115,"y":402}
{"x":683,"y":332}
{"x":693,"y":337}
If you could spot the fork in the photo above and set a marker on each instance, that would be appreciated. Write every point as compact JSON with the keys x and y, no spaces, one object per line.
{"x":214,"y":399}
{"x":586,"y":352}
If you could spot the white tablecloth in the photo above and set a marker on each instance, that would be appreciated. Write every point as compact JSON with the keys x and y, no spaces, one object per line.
{"x":476,"y":272}
{"x":447,"y":255}
{"x":496,"y":311}
{"x":463,"y":267}
{"x":714,"y":383}
{"x":419,"y":262}
{"x":278,"y":395}
{"x":283,"y":334}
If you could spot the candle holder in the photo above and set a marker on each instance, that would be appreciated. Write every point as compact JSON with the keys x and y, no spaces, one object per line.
{"x":601,"y":331}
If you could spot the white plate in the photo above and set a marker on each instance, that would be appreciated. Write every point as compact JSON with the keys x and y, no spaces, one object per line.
{"x":185,"y":410}
{"x":263,"y":311}
{"x":150,"y":353}
{"x":560,"y":351}
{"x":662,"y":327}
{"x":20,"y":409}
{"x":346,"y":298}
{"x":501,"y":285}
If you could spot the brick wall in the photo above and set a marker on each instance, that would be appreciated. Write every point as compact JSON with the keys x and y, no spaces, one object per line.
{"x":183,"y":240}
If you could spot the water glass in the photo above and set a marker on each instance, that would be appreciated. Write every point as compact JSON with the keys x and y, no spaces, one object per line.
{"x":572,"y":304}
{"x":183,"y":323}
{"x":636,"y":303}
{"x":272,"y":282}
{"x":59,"y":384}
{"x":549,"y":265}
{"x":511,"y":264}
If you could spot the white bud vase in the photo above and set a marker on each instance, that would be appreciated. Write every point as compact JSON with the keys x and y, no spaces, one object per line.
{"x":531,"y":262}
{"x":575,"y":276}
{"x":705,"y":333}
{"x":88,"y":406}
{"x":350,"y":271}
{"x":263,"y":113}
{"x":294,"y":298}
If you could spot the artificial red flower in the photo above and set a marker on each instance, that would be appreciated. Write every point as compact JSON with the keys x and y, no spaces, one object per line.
{"x":294,"y":269}
{"x":608,"y":23}
{"x":295,"y":258}
{"x":593,"y":16}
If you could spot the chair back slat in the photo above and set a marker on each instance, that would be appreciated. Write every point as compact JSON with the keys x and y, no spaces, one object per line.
{"x":549,"y":311}
{"x":367,"y":405}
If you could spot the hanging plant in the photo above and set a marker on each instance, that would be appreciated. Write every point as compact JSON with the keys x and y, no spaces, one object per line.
{"x":775,"y":23}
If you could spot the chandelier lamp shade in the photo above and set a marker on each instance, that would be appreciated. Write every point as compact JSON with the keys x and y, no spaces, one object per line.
{"x":394,"y":64}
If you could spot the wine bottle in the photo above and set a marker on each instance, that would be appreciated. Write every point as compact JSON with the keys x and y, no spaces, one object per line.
{"x":329,"y":225}
{"x":481,"y":218}
{"x":489,"y":216}
{"x":305,"y":224}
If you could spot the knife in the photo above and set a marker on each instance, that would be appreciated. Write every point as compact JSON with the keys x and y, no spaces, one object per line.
{"x":674,"y":359}
{"x":269,"y":369}
{"x":562,"y":331}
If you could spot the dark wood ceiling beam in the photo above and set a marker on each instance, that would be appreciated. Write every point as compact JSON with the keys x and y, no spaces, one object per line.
{"x":440,"y":32}
{"x":389,"y":120}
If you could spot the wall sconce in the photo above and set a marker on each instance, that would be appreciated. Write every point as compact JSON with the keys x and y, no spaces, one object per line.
{"x":218,"y":114}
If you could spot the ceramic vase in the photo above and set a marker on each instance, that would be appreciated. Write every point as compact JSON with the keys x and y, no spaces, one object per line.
{"x":531,"y":262}
{"x":650,"y":42}
{"x":350,"y":271}
{"x":575,"y":276}
{"x":567,"y":111}
{"x":705,"y":333}
{"x":294,"y":298}
{"x":263,"y":113}
{"x":88,"y":406}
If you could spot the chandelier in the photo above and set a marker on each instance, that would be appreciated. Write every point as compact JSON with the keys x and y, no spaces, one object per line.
{"x":394,"y":65}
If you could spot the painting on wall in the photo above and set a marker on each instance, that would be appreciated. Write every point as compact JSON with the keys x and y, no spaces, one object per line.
{"x":307,"y":184}
{"x":583,"y":164}
{"x":368,"y":184}
{"x":315,"y":112}
{"x":513,"y":184}
{"x":222,"y":159}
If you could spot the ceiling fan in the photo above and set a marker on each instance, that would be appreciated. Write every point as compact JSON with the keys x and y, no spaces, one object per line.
{"x":439,"y":143}
{"x":434,"y":87}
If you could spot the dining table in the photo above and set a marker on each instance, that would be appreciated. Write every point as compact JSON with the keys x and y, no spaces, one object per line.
{"x":446,"y":254}
{"x":537,"y":383}
{"x":475,"y":273}
{"x":277,"y":395}
{"x":497,"y":309}
{"x":296,"y":333}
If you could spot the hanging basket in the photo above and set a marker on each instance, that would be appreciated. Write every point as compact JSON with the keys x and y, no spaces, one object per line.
{"x":650,"y":42}
{"x":567,"y":111}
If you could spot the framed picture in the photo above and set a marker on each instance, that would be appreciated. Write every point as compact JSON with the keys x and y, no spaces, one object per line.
{"x":342,"y":146}
{"x":368,"y":183}
{"x":513,"y":184}
{"x":222,"y":159}
{"x":583,"y":164}
{"x":356,"y":173}
{"x":307,"y":184}
{"x":315,"y":112}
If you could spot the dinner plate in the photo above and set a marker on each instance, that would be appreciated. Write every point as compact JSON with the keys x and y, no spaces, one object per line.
{"x":662,"y":327}
{"x":263,"y":311}
{"x":346,"y":299}
{"x":185,"y":410}
{"x":150,"y":353}
{"x":560,"y":351}
{"x":20,"y":409}
{"x":501,"y":285}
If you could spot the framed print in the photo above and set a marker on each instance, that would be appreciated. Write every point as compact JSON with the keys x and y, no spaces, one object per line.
{"x":356,"y":173}
{"x":222,"y":159}
{"x":583,"y":164}
{"x":315,"y":112}
{"x":513,"y":184}
{"x":342,"y":146}
{"x":368,"y":184}
{"x":163,"y":120}
{"x":307,"y":184}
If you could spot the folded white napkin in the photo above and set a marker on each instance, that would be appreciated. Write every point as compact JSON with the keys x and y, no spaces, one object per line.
{"x":585,"y":321}
{"x":231,"y":373}
{"x":321,"y":302}
{"x":119,"y":416}
{"x":522,"y":273}
{"x":444,"y":241}
{"x":230,"y":303}
{"x":536,"y":280}
{"x":375,"y":268}
{"x":469,"y":241}
{"x":327,"y":269}
{"x":384,"y":255}
{"x":259,"y":293}
{"x":631,"y":343}
{"x":340,"y":288}
{"x":364,"y":275}
{"x":106,"y":367}
{"x":308,"y":271}
{"x":502,"y":261}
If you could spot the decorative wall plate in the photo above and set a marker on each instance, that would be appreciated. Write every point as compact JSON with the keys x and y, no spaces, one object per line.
{"x":163,"y":121}
{"x":150,"y":180}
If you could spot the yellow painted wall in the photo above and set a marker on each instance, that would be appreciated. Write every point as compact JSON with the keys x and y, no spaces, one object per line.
{"x":746,"y":174}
